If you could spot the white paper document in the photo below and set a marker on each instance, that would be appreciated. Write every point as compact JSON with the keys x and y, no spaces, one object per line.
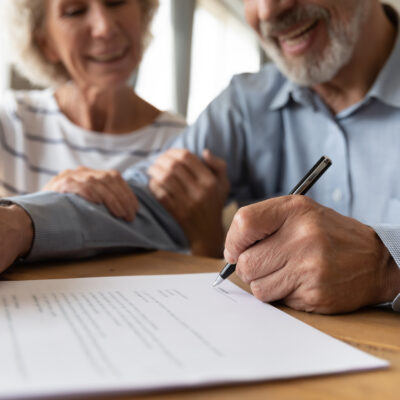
{"x":140,"y":333}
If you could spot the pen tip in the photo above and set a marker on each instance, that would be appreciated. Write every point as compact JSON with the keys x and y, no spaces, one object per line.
{"x":217,"y":281}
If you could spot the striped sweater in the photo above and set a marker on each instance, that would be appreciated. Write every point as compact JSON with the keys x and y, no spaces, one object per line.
{"x":37,"y":141}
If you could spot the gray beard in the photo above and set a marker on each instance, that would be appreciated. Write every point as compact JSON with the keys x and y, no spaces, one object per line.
{"x":313,"y":68}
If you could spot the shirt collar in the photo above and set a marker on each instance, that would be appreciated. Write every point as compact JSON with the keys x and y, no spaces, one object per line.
{"x":385,"y":88}
{"x":290,"y":91}
{"x":283,"y":95}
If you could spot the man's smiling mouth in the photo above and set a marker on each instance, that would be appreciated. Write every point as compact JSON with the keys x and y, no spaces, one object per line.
{"x":299,"y":34}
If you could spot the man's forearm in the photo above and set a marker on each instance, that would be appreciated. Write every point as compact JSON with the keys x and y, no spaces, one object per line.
{"x":69,"y":226}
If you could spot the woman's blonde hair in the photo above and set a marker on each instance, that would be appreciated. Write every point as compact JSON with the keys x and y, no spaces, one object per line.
{"x":20,"y":19}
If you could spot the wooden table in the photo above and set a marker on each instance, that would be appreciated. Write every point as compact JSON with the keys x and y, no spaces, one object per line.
{"x":372,"y":330}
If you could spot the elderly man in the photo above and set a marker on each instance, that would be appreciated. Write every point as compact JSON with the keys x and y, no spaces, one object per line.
{"x":333,"y":90}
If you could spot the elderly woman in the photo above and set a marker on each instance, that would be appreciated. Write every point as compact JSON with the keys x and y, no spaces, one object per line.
{"x":85,"y":51}
{"x":57,"y":139}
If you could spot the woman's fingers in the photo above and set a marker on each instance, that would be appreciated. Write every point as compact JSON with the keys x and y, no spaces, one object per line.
{"x":100,"y":187}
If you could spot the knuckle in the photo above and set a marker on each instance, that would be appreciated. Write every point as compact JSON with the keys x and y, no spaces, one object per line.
{"x":114,"y":173}
{"x":258,"y":290}
{"x":315,"y":270}
{"x":108,"y":178}
{"x":173,"y":164}
{"x":91,"y":180}
{"x":84,"y":192}
{"x":244,"y":268}
{"x":198,"y":198}
{"x":164,"y":163}
{"x":313,"y":299}
{"x":320,"y":270}
{"x":185,"y":155}
{"x":168,"y":153}
{"x":300,"y":203}
{"x":312,"y":234}
{"x":309,"y":230}
{"x":162,"y":197}
{"x":211,"y":184}
{"x":166,"y":178}
{"x":242,"y":220}
{"x":68,"y":180}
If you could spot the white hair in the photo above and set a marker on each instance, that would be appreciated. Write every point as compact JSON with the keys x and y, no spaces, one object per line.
{"x":20,"y":19}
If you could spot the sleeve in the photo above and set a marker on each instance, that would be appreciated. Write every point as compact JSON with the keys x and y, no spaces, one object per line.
{"x":390,"y":237}
{"x":68,"y":226}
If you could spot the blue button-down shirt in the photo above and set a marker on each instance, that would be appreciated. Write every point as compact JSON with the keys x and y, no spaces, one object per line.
{"x":270,"y":131}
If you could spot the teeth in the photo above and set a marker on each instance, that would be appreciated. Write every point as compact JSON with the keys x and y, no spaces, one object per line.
{"x":297,"y":40}
{"x":293,"y":35}
{"x":108,"y":57}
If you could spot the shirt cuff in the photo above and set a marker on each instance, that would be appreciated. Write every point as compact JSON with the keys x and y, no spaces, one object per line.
{"x":48,"y":238}
{"x":390,"y":236}
{"x":396,"y":304}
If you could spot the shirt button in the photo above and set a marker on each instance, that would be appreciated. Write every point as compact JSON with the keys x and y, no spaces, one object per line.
{"x":337,"y":195}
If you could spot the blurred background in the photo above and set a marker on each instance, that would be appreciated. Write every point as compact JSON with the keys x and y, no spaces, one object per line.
{"x":200,"y":44}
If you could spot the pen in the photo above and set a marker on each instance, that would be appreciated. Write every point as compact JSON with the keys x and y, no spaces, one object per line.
{"x":301,"y":188}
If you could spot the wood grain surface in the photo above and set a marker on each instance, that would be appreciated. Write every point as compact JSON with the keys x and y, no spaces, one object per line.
{"x":376,"y":331}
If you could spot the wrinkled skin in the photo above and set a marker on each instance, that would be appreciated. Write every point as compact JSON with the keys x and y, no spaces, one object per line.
{"x":310,"y":257}
{"x":194,"y":191}
{"x":99,"y":187}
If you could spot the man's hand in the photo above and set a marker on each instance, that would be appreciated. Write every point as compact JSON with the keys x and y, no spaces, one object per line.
{"x":16,"y":234}
{"x":314,"y":259}
{"x":194,"y":191}
{"x":99,"y":187}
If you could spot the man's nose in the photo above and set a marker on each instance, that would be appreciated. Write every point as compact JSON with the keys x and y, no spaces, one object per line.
{"x":102,"y":23}
{"x":269,"y":10}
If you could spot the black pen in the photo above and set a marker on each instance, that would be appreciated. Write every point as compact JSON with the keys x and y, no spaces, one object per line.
{"x":301,"y":188}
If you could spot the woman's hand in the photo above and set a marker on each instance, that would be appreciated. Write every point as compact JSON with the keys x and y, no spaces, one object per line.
{"x":99,"y":187}
{"x":194,"y":191}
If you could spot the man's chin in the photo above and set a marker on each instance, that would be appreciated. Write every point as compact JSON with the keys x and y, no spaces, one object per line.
{"x":295,"y":72}
{"x":304,"y":71}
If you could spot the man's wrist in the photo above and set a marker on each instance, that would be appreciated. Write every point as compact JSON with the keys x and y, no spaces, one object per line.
{"x":22,"y":227}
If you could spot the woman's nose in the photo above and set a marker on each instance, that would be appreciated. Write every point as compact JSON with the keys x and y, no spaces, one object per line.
{"x":102,"y":22}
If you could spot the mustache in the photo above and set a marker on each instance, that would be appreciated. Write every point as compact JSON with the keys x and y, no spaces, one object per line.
{"x":292,"y":17}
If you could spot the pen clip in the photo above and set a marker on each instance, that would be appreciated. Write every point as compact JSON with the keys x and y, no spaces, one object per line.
{"x":312,"y":176}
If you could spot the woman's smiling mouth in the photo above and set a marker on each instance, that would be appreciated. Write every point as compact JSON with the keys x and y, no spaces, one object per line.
{"x":109,"y":57}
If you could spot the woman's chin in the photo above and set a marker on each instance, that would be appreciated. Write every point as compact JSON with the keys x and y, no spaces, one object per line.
{"x":109,"y":82}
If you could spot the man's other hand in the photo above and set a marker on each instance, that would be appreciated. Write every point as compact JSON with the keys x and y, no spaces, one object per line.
{"x":194,"y":191}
